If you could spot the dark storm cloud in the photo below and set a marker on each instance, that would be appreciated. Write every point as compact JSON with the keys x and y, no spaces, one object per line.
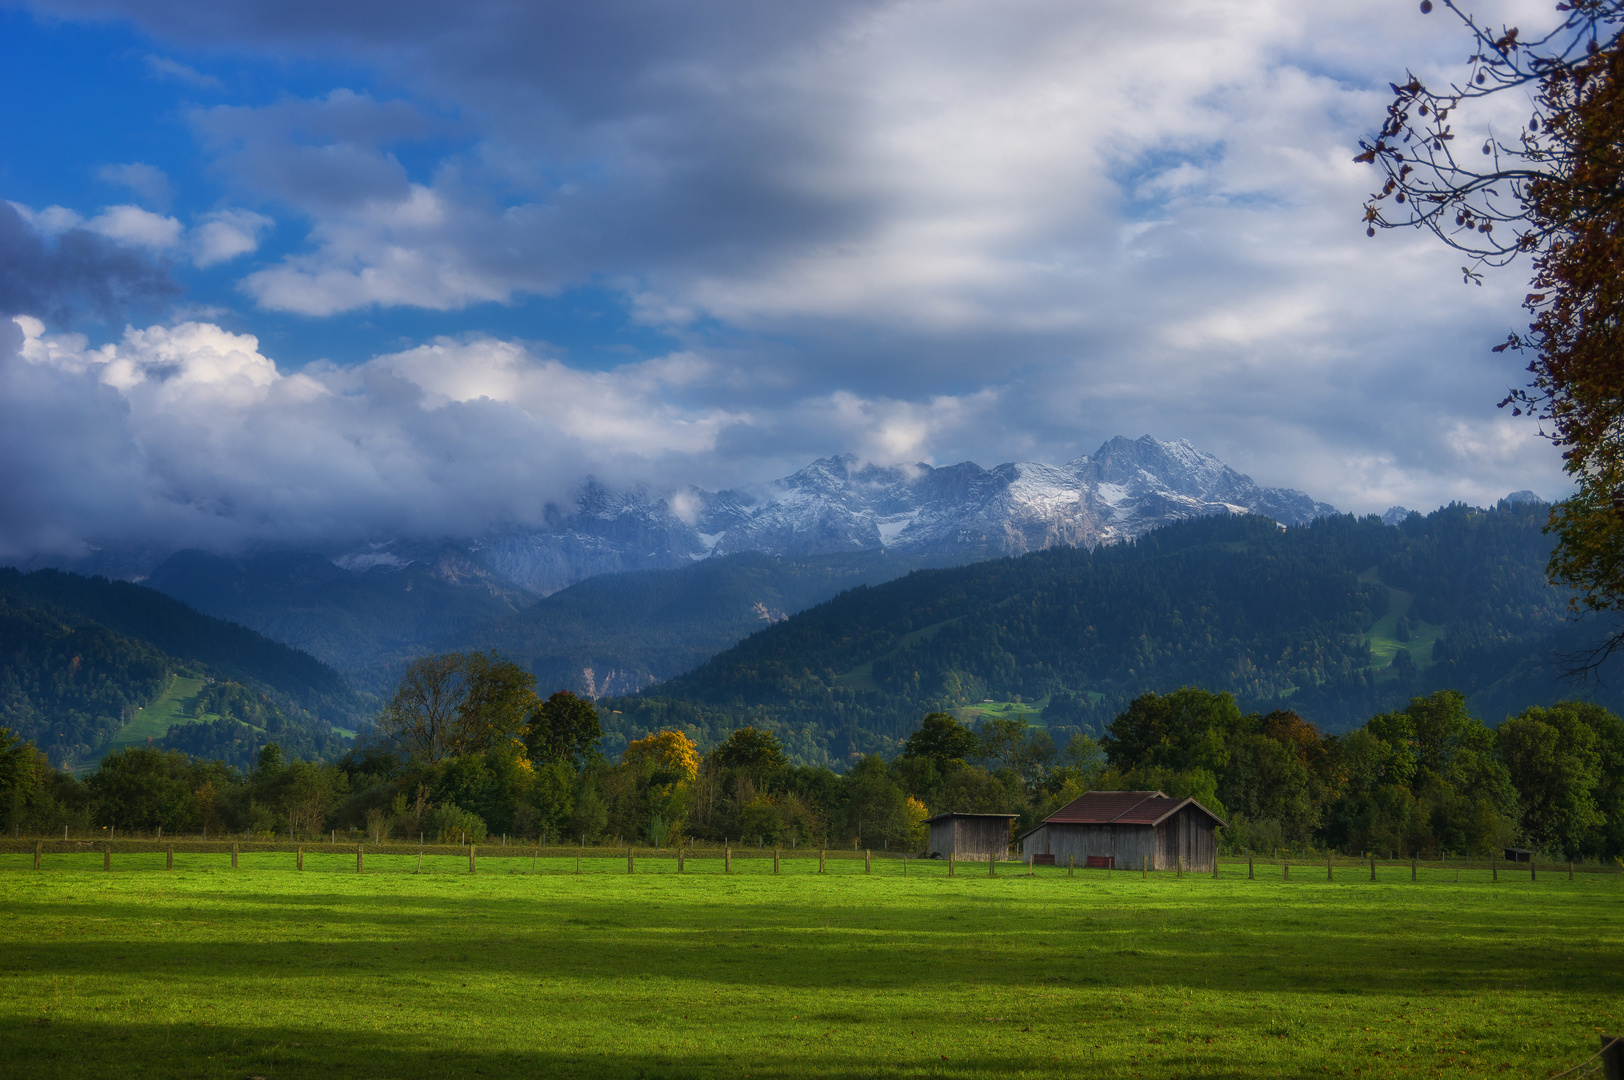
{"x":76,"y":272}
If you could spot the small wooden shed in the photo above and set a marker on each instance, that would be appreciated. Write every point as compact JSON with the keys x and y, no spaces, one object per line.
{"x":1518,"y":854}
{"x":1128,"y":829}
{"x":977,"y":837}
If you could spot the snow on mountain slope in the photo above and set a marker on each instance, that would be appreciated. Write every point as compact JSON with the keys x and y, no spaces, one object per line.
{"x":835,"y":504}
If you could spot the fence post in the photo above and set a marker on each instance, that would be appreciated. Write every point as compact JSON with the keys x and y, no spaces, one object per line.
{"x":679,"y":858}
{"x":1533,"y":868}
{"x":1285,"y":869}
{"x":950,"y":863}
{"x":1144,"y":866}
{"x":867,"y":866}
{"x":360,"y":859}
{"x":1071,"y":865}
{"x":1178,"y":871}
{"x":39,"y":849}
{"x":1372,"y":866}
{"x":1413,"y":866}
{"x":535,"y":853}
{"x":631,"y":859}
{"x":1328,"y":867}
{"x":1250,"y":873}
{"x":473,"y":867}
{"x":419,"y":869}
{"x":577,"y":864}
{"x":1215,"y":863}
{"x":727,"y":859}
{"x":234,"y":854}
{"x":775,"y":862}
{"x":1570,"y":869}
{"x":821,"y":853}
{"x":1612,"y":1057}
{"x":107,"y":856}
{"x":1494,"y":867}
{"x":169,"y":858}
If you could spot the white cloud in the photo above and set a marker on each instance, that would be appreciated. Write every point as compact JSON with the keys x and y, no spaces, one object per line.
{"x":223,"y":235}
{"x":136,"y":227}
{"x":147,"y":181}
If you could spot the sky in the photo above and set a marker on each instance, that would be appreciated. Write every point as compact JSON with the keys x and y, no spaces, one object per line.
{"x":303,"y":272}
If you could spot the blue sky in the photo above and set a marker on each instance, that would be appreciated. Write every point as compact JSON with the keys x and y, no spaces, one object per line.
{"x":305,"y":272}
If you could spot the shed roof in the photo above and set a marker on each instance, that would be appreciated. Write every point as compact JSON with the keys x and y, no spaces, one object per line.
{"x":1123,"y":808}
{"x":953,"y":814}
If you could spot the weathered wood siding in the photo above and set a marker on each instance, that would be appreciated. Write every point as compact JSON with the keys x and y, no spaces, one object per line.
{"x":1189,"y":832}
{"x":1129,"y":845}
{"x":968,"y":838}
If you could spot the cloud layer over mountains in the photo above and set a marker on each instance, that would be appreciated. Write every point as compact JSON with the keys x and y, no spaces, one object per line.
{"x":910,"y":231}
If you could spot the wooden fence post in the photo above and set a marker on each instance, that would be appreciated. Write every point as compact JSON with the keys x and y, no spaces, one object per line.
{"x":169,"y":858}
{"x":950,"y":864}
{"x":1071,"y":865}
{"x":679,"y":858}
{"x":1570,"y":869}
{"x":727,"y":859}
{"x":577,"y":864}
{"x":419,"y":869}
{"x":867,"y":863}
{"x":1533,"y":868}
{"x":473,"y":867}
{"x":1372,"y":866}
{"x":1215,"y":863}
{"x":1285,"y":869}
{"x":821,"y":853}
{"x":775,"y":862}
{"x":1250,"y":874}
{"x":631,"y":857}
{"x":298,"y":858}
{"x":1612,"y":1057}
{"x":360,"y":859}
{"x":1328,"y":867}
{"x":992,"y":865}
{"x":535,"y":853}
{"x":39,"y":849}
{"x":107,"y":856}
{"x":1413,"y":866}
{"x":1178,"y":871}
{"x":234,"y":854}
{"x":1144,"y":866}
{"x":1494,"y":867}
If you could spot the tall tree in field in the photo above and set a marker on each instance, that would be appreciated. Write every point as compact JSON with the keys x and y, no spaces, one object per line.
{"x":1555,"y":193}
{"x":564,"y":728}
{"x":456,"y":703}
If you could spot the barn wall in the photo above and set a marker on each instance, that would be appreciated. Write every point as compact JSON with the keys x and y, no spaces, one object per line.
{"x":982,"y":838}
{"x":1128,"y":843}
{"x":974,"y":839}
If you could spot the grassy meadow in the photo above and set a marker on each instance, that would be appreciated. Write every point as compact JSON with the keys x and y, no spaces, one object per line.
{"x":169,"y":707}
{"x":206,"y":971}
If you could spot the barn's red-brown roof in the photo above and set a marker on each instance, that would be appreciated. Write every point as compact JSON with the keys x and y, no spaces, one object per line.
{"x":1123,"y":808}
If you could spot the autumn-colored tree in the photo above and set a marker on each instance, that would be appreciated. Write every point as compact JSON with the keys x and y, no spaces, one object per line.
{"x":456,"y":703}
{"x":665,"y":751}
{"x":1556,"y":192}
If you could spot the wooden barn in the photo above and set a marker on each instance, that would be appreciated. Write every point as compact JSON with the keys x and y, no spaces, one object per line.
{"x":1125,"y":828}
{"x":977,"y":837}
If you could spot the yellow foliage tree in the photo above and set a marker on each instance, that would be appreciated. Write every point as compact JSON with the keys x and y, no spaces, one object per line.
{"x":666,"y":751}
{"x":918,"y":832}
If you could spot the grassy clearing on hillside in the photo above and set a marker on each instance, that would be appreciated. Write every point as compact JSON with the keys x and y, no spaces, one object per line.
{"x":170,"y":707}
{"x":262,"y":971}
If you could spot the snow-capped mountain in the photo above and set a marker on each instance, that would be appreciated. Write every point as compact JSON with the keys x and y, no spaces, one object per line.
{"x":957,"y":512}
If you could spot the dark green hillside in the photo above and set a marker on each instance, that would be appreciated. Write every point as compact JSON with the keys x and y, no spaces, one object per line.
{"x":87,"y":664}
{"x":1339,"y":619}
{"x":355,"y":622}
{"x":631,"y":629}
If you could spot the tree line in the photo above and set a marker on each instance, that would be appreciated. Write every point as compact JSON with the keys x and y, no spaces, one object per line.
{"x":466,"y":749}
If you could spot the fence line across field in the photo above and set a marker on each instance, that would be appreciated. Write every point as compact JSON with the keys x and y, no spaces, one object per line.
{"x":519,"y":857}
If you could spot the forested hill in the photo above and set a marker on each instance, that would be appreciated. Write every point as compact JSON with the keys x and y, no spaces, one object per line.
{"x":81,"y":658}
{"x":1339,"y":619}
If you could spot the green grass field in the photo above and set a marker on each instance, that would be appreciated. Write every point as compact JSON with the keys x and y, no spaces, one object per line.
{"x":169,"y":707}
{"x":1382,"y":636}
{"x":262,"y":971}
